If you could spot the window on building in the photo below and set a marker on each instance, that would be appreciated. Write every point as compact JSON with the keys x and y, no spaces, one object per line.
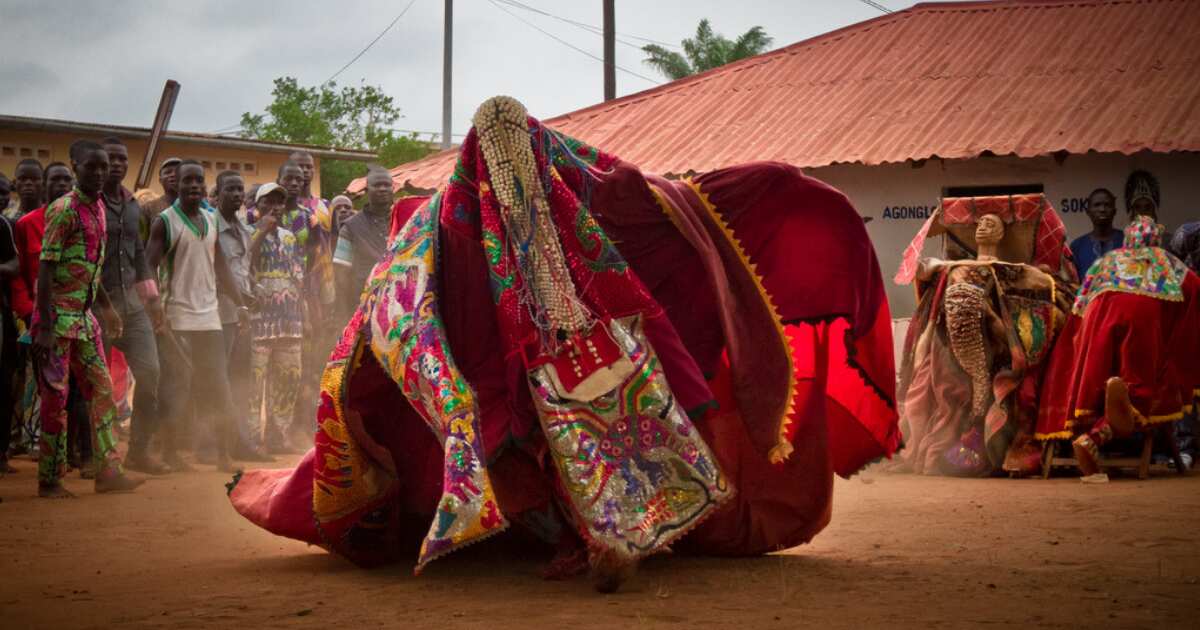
{"x":226,"y":164}
{"x":42,"y":153}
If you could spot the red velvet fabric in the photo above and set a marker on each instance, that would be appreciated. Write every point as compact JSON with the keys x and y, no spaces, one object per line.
{"x":815,"y":259}
{"x":1152,"y":344}
{"x":811,"y":249}
{"x":777,"y":505}
{"x":27,"y":233}
{"x":402,"y":210}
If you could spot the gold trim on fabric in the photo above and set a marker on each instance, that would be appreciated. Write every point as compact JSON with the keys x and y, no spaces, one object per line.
{"x":783,"y":447}
{"x":1058,"y":435}
{"x":1140,"y":420}
{"x":1065,"y":434}
{"x":1170,"y":417}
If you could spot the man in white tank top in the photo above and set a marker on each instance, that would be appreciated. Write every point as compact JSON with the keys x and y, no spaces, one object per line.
{"x":184,"y":250}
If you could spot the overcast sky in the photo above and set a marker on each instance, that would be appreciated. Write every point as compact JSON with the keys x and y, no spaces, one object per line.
{"x":106,"y":62}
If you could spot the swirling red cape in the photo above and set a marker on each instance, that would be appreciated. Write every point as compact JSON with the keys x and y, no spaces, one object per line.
{"x":768,"y":315}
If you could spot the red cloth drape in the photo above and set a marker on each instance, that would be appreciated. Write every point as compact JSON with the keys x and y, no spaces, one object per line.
{"x":815,"y":261}
{"x":1152,"y":344}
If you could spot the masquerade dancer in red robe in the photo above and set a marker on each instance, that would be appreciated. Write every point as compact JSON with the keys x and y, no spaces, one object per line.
{"x":1127,"y":357}
{"x":617,"y":362}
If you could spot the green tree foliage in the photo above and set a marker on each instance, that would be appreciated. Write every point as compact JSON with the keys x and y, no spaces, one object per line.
{"x":347,"y":117}
{"x":705,"y":51}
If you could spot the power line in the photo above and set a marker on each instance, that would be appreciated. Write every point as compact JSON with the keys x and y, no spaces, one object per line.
{"x":876,"y":5}
{"x":229,"y":129}
{"x":591,"y":28}
{"x":373,"y":41}
{"x":237,"y":128}
{"x":564,"y":42}
{"x":432,"y":133}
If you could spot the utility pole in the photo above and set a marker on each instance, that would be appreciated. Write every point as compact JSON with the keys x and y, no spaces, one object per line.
{"x":447,"y":49}
{"x":610,"y":50}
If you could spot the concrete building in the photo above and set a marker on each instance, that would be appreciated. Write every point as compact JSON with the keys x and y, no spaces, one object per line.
{"x":1060,"y":96}
{"x":49,"y":140}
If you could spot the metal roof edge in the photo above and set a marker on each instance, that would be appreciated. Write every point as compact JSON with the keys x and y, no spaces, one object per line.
{"x":770,"y":55}
{"x":30,"y":123}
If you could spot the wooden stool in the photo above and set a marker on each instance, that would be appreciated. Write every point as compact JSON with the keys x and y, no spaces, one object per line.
{"x":1142,"y":464}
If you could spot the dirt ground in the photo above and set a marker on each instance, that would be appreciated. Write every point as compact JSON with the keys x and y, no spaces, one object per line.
{"x":902,"y":551}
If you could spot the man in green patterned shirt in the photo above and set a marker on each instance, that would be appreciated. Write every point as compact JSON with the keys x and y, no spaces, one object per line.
{"x":66,"y":336}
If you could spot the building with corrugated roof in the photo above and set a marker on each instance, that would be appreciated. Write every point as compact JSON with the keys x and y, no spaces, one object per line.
{"x":48,"y":140}
{"x":1058,"y":96}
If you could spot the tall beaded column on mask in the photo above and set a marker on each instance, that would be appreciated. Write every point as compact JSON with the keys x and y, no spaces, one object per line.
{"x":548,"y":291}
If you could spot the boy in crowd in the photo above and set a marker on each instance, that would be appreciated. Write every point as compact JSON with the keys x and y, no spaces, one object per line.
{"x":184,"y":236}
{"x":57,"y":181}
{"x":29,"y":186}
{"x":66,"y":336}
{"x":1087,"y":249}
{"x":234,"y":236}
{"x":278,"y":325}
{"x":169,"y":181}
{"x":362,"y":241}
{"x":8,"y":339}
{"x":134,"y":294}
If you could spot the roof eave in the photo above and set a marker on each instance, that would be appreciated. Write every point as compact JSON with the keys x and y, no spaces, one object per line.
{"x":68,"y":126}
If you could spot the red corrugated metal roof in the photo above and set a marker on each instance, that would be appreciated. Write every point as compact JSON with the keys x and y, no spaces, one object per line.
{"x":951,"y":80}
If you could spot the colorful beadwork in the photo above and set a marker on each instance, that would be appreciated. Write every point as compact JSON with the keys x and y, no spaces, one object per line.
{"x":636,"y":471}
{"x":408,"y":339}
{"x":398,"y":323}
{"x":1141,"y":267}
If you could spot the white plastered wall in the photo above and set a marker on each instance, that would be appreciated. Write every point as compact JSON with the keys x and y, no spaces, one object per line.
{"x":885,"y":191}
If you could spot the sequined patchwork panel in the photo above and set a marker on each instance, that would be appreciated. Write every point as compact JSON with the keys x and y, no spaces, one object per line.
{"x":637,"y":472}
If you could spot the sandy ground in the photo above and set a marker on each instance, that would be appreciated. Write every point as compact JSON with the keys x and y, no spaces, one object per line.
{"x":902,"y":551}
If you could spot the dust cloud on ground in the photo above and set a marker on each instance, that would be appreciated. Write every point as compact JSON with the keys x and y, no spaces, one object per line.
{"x":902,"y":551}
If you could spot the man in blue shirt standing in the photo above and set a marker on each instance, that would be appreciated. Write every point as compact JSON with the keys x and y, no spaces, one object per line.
{"x":1102,"y":207}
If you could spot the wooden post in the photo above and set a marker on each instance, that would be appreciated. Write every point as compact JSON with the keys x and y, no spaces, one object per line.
{"x":162,"y":118}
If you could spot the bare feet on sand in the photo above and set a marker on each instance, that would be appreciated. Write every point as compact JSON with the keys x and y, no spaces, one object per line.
{"x":117,"y":482}
{"x":146,"y":465}
{"x":1087,"y":454}
{"x":246,"y":454}
{"x":224,"y":464}
{"x":567,"y":563}
{"x":610,"y":570}
{"x":177,"y":463}
{"x":54,"y":491}
{"x":1118,"y":409}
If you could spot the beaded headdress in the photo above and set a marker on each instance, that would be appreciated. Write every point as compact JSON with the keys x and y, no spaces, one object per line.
{"x":549,"y":292}
{"x":1141,"y":185}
